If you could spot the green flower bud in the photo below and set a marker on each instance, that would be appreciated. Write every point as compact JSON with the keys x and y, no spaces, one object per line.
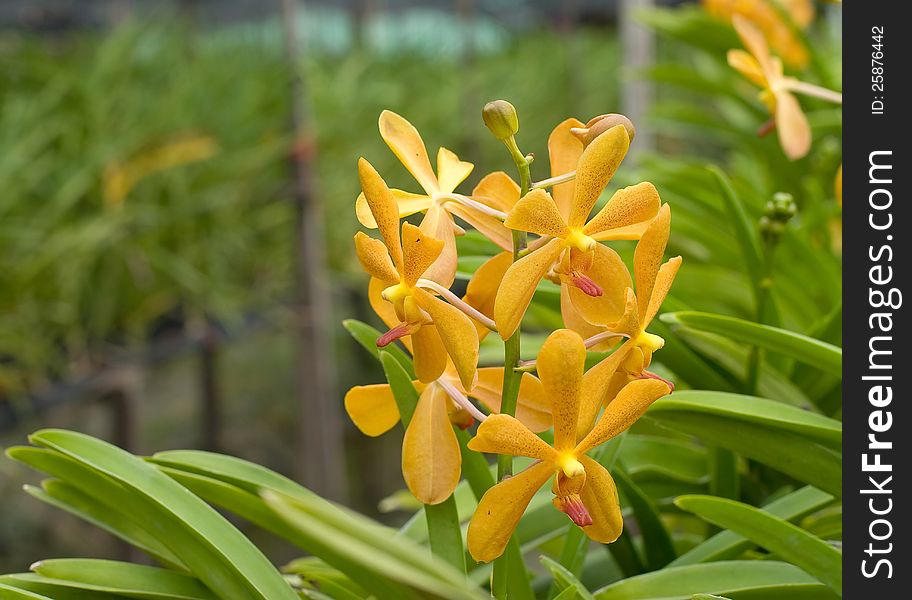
{"x":501,"y":118}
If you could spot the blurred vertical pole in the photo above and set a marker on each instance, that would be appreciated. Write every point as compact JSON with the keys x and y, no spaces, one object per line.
{"x":210,"y":398}
{"x":320,"y":452}
{"x":567,"y":28}
{"x":470,"y":104}
{"x":637,"y":53}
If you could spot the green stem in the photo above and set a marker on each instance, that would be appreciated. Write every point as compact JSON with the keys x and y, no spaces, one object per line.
{"x":444,"y":534}
{"x":510,"y":393}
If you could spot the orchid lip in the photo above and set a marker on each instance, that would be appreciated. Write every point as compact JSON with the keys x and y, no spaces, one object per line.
{"x":399,"y":331}
{"x":586,"y":285}
{"x":650,"y":375}
{"x":575,"y":509}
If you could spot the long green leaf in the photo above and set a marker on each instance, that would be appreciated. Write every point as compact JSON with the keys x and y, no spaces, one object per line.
{"x":437,"y":579}
{"x":795,"y":345}
{"x":727,"y":545}
{"x":225,"y":560}
{"x":657,"y":544}
{"x":9,"y":592}
{"x":780,"y":537}
{"x":128,"y":579}
{"x":750,"y":409}
{"x":564,"y":579}
{"x":732,"y":579}
{"x":745,"y":229}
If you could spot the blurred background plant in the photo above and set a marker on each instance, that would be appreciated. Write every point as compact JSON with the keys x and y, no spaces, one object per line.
{"x":148,"y":231}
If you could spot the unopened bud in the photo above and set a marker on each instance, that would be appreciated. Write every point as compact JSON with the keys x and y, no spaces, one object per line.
{"x":600,"y":124}
{"x":777,"y":213}
{"x":501,"y":118}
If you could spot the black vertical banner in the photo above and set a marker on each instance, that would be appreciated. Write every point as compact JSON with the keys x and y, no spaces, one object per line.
{"x":876,"y":415}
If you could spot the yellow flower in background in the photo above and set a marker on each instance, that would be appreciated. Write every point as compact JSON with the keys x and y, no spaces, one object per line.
{"x":121,"y":177}
{"x":431,"y":459}
{"x":764,"y":70}
{"x":439,"y":202}
{"x":767,"y":18}
{"x":571,"y":253}
{"x":436,"y":328}
{"x":582,"y":487}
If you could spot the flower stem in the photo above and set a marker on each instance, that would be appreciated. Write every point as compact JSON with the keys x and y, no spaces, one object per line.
{"x":556,"y":180}
{"x":815,"y":91}
{"x":512,"y":378}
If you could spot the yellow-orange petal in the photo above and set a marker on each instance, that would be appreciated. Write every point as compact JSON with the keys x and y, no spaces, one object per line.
{"x":600,"y":497}
{"x":792,"y":126}
{"x":372,"y":408}
{"x":560,"y":365}
{"x":748,"y":66}
{"x":482,"y":287}
{"x":497,"y":190}
{"x":457,"y":332}
{"x":536,"y":213}
{"x":429,"y":353}
{"x":500,"y":510}
{"x":383,"y":207}
{"x":610,"y":274}
{"x":438,"y":224}
{"x":503,"y":434}
{"x":564,"y":151}
{"x":648,"y":258}
{"x":628,"y":406}
{"x":406,"y":143}
{"x":374,"y":257}
{"x":596,"y":167}
{"x":519,"y":283}
{"x":490,"y":227}
{"x":431,"y":460}
{"x":754,"y":42}
{"x":574,"y":320}
{"x":419,"y":251}
{"x":664,"y":278}
{"x":408,"y":203}
{"x":533,"y":409}
{"x":595,"y":388}
{"x":627,"y":208}
{"x":450,"y":170}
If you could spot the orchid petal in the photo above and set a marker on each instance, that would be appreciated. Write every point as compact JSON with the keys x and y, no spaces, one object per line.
{"x":664,"y":279}
{"x":519,"y":285}
{"x":450,"y":170}
{"x":383,"y":207}
{"x":600,"y":497}
{"x":610,"y":274}
{"x":628,"y":207}
{"x":372,"y":408}
{"x":536,"y":212}
{"x":489,"y":226}
{"x":500,"y":510}
{"x":503,"y":434}
{"x":748,"y":66}
{"x":438,"y":224}
{"x":622,"y":412}
{"x":497,"y":190}
{"x":648,"y":258}
{"x":596,"y":385}
{"x":596,"y":167}
{"x":406,"y":143}
{"x":792,"y":126}
{"x":408,"y":203}
{"x":755,"y":43}
{"x":431,"y":460}
{"x":419,"y":251}
{"x":564,"y":151}
{"x":457,"y":333}
{"x":560,"y":366}
{"x":374,"y":257}
{"x":482,"y":287}
{"x":533,"y":409}
{"x":429,"y":353}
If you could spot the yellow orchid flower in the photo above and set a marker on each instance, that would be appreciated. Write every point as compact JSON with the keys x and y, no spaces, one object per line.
{"x":583,"y":488}
{"x":593,"y":273}
{"x":765,"y":71}
{"x":765,"y":17}
{"x":431,"y":460}
{"x":437,"y":329}
{"x":653,"y":281}
{"x":439,"y":202}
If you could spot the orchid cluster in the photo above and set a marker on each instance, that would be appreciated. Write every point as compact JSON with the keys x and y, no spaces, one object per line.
{"x":544,"y":235}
